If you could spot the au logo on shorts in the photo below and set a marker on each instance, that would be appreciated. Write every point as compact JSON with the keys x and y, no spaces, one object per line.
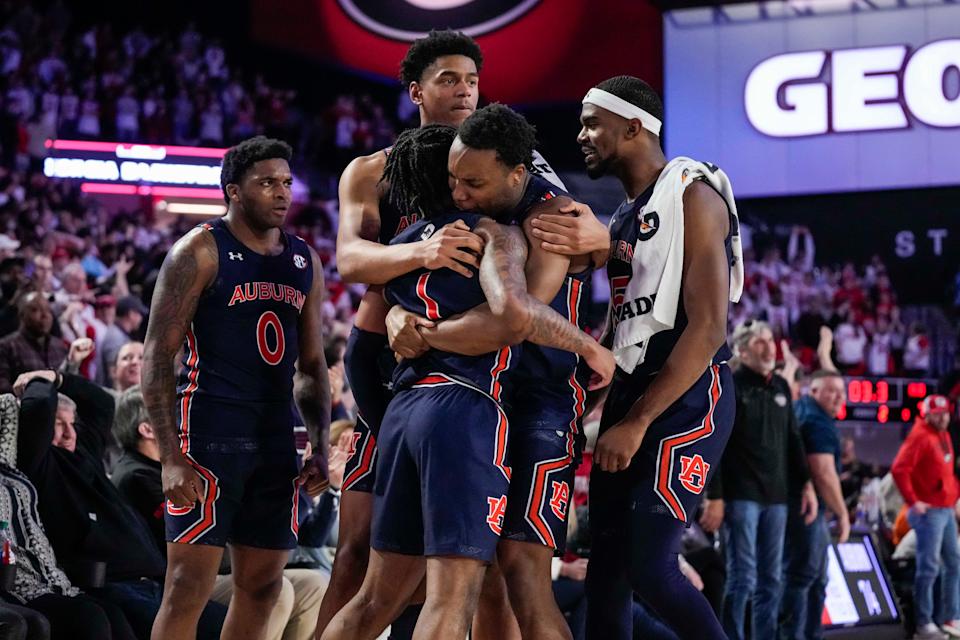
{"x":693,"y":473}
{"x":411,"y":19}
{"x":561,"y":496}
{"x":179,"y":511}
{"x":498,"y":508}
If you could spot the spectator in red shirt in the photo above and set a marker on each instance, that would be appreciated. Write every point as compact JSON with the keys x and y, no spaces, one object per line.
{"x":923,"y":471}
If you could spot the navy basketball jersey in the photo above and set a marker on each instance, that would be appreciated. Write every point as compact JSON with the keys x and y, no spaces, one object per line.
{"x":244,"y":338}
{"x":392,"y":221}
{"x":439,"y":295}
{"x":630,"y":227}
{"x":545,"y":364}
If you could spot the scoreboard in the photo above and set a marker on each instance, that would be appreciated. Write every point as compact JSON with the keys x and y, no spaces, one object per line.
{"x":883,"y":399}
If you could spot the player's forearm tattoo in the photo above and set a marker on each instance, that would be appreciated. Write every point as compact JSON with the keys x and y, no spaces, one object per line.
{"x":311,"y":392}
{"x":544,"y":326}
{"x":171,"y":313}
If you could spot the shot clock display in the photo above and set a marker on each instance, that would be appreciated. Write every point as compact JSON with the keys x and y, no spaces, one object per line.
{"x":884,"y":399}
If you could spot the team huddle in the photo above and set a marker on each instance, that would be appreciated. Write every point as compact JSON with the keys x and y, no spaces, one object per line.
{"x":470,"y":368}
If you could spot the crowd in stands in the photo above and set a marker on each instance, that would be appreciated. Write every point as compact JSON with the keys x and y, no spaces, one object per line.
{"x":78,"y":457}
{"x":61,"y":79}
{"x":796,"y":296}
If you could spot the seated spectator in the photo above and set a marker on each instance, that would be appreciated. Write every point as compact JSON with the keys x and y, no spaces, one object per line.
{"x":32,"y":346}
{"x":138,"y":478}
{"x":41,"y":585}
{"x":60,"y":448}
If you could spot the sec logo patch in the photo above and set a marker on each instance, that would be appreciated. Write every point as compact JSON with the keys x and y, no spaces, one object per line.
{"x":299,"y":261}
{"x":408,"y":20}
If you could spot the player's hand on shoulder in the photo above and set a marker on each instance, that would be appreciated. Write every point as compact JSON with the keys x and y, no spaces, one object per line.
{"x":573,"y":231}
{"x":603,"y":365}
{"x":403,"y":332}
{"x":181,"y":483}
{"x":454,"y":246}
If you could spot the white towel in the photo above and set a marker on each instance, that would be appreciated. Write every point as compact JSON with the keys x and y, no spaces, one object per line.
{"x":658,"y":262}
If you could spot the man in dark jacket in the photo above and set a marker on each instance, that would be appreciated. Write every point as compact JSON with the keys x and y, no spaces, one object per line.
{"x":762,"y":468}
{"x":61,"y":442}
{"x":805,"y":556}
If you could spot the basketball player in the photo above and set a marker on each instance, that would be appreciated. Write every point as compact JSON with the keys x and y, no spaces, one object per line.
{"x":545,"y":395}
{"x":666,"y":422}
{"x":441,"y":73}
{"x":441,"y":490}
{"x":243,"y":299}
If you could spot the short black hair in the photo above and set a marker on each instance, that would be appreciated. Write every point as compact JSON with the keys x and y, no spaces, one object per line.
{"x":498,"y":127}
{"x":636,"y":92}
{"x":424,"y":52}
{"x":416,"y":170}
{"x":244,"y":155}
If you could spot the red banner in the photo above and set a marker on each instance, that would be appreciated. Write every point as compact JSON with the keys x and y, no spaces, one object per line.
{"x":536,"y":51}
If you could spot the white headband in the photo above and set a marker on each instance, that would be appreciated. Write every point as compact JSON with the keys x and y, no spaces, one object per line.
{"x":621,"y":107}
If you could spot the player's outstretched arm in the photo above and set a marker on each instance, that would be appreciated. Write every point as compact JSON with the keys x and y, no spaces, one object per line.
{"x":187,"y":271}
{"x":311,"y":382}
{"x":705,"y":293}
{"x":360,"y":258}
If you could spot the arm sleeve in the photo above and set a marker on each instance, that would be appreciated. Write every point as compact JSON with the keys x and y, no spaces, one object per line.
{"x":902,"y":469}
{"x":95,"y":408}
{"x":38,"y":414}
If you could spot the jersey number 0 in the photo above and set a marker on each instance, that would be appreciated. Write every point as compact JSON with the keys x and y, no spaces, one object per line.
{"x":269,"y":320}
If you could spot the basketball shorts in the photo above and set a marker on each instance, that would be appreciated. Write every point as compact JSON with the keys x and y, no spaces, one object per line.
{"x":249,"y":486}
{"x":369,"y":364}
{"x":443,"y":477}
{"x":545,"y":446}
{"x":669,"y":473}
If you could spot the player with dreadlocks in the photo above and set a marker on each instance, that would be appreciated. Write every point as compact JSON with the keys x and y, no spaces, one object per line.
{"x":443,"y":467}
{"x":441,"y":74}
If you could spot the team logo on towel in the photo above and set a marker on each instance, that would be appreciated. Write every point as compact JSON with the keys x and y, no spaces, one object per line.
{"x":408,"y":20}
{"x":693,"y":473}
{"x":649,"y":223}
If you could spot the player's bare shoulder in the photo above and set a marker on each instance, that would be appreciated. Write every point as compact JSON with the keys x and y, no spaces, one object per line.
{"x":192,"y":262}
{"x":365,"y":172}
{"x":551,"y":206}
{"x":704,"y":207}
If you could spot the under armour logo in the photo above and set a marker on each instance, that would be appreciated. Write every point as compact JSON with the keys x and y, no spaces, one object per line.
{"x":236,"y":256}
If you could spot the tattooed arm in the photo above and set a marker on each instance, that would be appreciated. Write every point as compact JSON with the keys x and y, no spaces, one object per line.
{"x":187,"y":271}
{"x":477,"y":331}
{"x":311,"y":385}
{"x":505,"y":286}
